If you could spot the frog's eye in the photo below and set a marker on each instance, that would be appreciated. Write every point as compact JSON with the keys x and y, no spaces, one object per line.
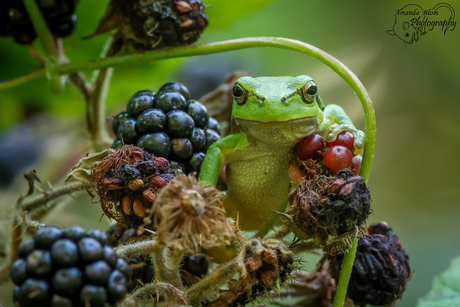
{"x":309,"y":91}
{"x":240,"y":94}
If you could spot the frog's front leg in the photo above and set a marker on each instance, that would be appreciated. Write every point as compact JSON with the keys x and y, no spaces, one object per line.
{"x":215,"y":156}
{"x":336,"y":121}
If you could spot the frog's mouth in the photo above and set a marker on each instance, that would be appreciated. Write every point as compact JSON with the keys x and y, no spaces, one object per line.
{"x":278,"y":131}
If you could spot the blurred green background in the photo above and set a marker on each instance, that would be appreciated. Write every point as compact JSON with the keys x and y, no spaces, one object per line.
{"x":415,"y":90}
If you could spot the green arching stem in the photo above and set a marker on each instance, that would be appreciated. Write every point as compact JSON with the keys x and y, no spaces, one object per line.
{"x":244,"y":43}
{"x":23,"y":79}
{"x":40,"y":27}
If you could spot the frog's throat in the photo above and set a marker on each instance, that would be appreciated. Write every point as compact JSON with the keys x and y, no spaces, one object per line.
{"x":278,"y":132}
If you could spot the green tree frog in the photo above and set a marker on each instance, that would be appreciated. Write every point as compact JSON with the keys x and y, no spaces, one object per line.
{"x":270,"y":115}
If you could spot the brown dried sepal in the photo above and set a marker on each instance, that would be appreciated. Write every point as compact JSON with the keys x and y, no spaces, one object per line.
{"x":126,"y":205}
{"x":267,"y":266}
{"x":135,"y":184}
{"x":188,"y":214}
{"x":316,"y":289}
{"x":149,"y":195}
{"x":182,"y":6}
{"x":138,"y":208}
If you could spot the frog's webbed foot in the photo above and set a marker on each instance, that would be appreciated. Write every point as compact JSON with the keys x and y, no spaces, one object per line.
{"x":358,"y":135}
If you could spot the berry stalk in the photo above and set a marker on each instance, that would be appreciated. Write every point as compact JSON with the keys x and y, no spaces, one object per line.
{"x":43,"y":32}
{"x":41,"y":28}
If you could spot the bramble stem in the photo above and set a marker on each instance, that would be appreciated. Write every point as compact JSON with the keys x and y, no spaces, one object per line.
{"x":41,"y":28}
{"x":32,"y":202}
{"x":23,"y":79}
{"x":345,"y":273}
{"x":172,"y":294}
{"x":136,"y":249}
{"x":167,"y":264}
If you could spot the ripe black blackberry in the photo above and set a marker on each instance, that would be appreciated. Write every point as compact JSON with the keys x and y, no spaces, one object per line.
{"x":168,"y":124}
{"x":59,"y":16}
{"x":68,"y":267}
{"x":381,"y":268}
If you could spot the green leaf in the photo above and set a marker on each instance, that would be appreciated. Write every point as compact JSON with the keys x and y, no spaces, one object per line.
{"x":222,"y":13}
{"x":445,"y":290}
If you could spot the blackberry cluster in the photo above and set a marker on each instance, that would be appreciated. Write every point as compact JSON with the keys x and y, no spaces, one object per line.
{"x":159,"y":24}
{"x":68,"y":267}
{"x":15,"y":22}
{"x":381,"y":269}
{"x":168,"y":124}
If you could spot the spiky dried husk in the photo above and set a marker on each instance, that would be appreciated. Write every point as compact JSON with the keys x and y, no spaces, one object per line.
{"x":189,"y":215}
{"x":268,"y":266}
{"x":332,"y":209}
{"x":381,"y":268}
{"x":124,"y":184}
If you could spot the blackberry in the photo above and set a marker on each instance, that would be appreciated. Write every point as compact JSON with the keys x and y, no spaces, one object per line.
{"x":199,"y":113}
{"x":381,"y":268}
{"x":180,"y":124}
{"x":140,"y":102}
{"x":198,"y":139}
{"x":181,"y":149}
{"x":168,"y":125}
{"x":68,"y":267}
{"x":127,"y":131}
{"x":152,"y":120}
{"x":175,"y":87}
{"x":169,"y":100}
{"x":157,"y":143}
{"x":59,"y":16}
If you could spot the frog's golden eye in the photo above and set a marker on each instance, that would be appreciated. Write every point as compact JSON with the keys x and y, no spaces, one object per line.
{"x":240,"y":94}
{"x":308,"y":92}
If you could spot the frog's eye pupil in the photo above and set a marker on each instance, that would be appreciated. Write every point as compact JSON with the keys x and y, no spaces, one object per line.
{"x":312,"y":90}
{"x":240,"y":94}
{"x":237,"y":91}
{"x":309,"y":92}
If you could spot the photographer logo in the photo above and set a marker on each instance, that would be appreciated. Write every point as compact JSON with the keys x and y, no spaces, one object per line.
{"x":412,"y":21}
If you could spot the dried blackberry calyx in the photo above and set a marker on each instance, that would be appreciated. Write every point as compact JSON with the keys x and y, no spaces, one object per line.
{"x":331,"y":209}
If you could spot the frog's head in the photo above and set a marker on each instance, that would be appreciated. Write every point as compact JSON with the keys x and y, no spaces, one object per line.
{"x":275,"y":99}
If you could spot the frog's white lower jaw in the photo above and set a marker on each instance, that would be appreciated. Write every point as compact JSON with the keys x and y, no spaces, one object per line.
{"x":281,"y":133}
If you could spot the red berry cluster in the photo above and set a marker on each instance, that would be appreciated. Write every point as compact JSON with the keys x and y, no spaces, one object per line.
{"x":337,"y":156}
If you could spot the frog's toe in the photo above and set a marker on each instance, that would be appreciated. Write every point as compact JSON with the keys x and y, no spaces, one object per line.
{"x":358,"y":135}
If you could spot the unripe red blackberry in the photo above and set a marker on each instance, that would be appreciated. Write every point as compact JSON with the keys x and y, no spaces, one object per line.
{"x":381,"y":268}
{"x":68,"y":267}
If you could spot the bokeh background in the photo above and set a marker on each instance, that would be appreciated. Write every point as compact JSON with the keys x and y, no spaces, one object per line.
{"x":415,"y":90}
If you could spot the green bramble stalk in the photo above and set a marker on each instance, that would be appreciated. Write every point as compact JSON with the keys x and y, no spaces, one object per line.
{"x":238,"y":44}
{"x":41,"y":28}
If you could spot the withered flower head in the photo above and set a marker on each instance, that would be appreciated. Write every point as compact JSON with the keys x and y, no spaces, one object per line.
{"x":188,"y":214}
{"x":332,"y":209}
{"x":127,"y":182}
{"x":267,"y":267}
